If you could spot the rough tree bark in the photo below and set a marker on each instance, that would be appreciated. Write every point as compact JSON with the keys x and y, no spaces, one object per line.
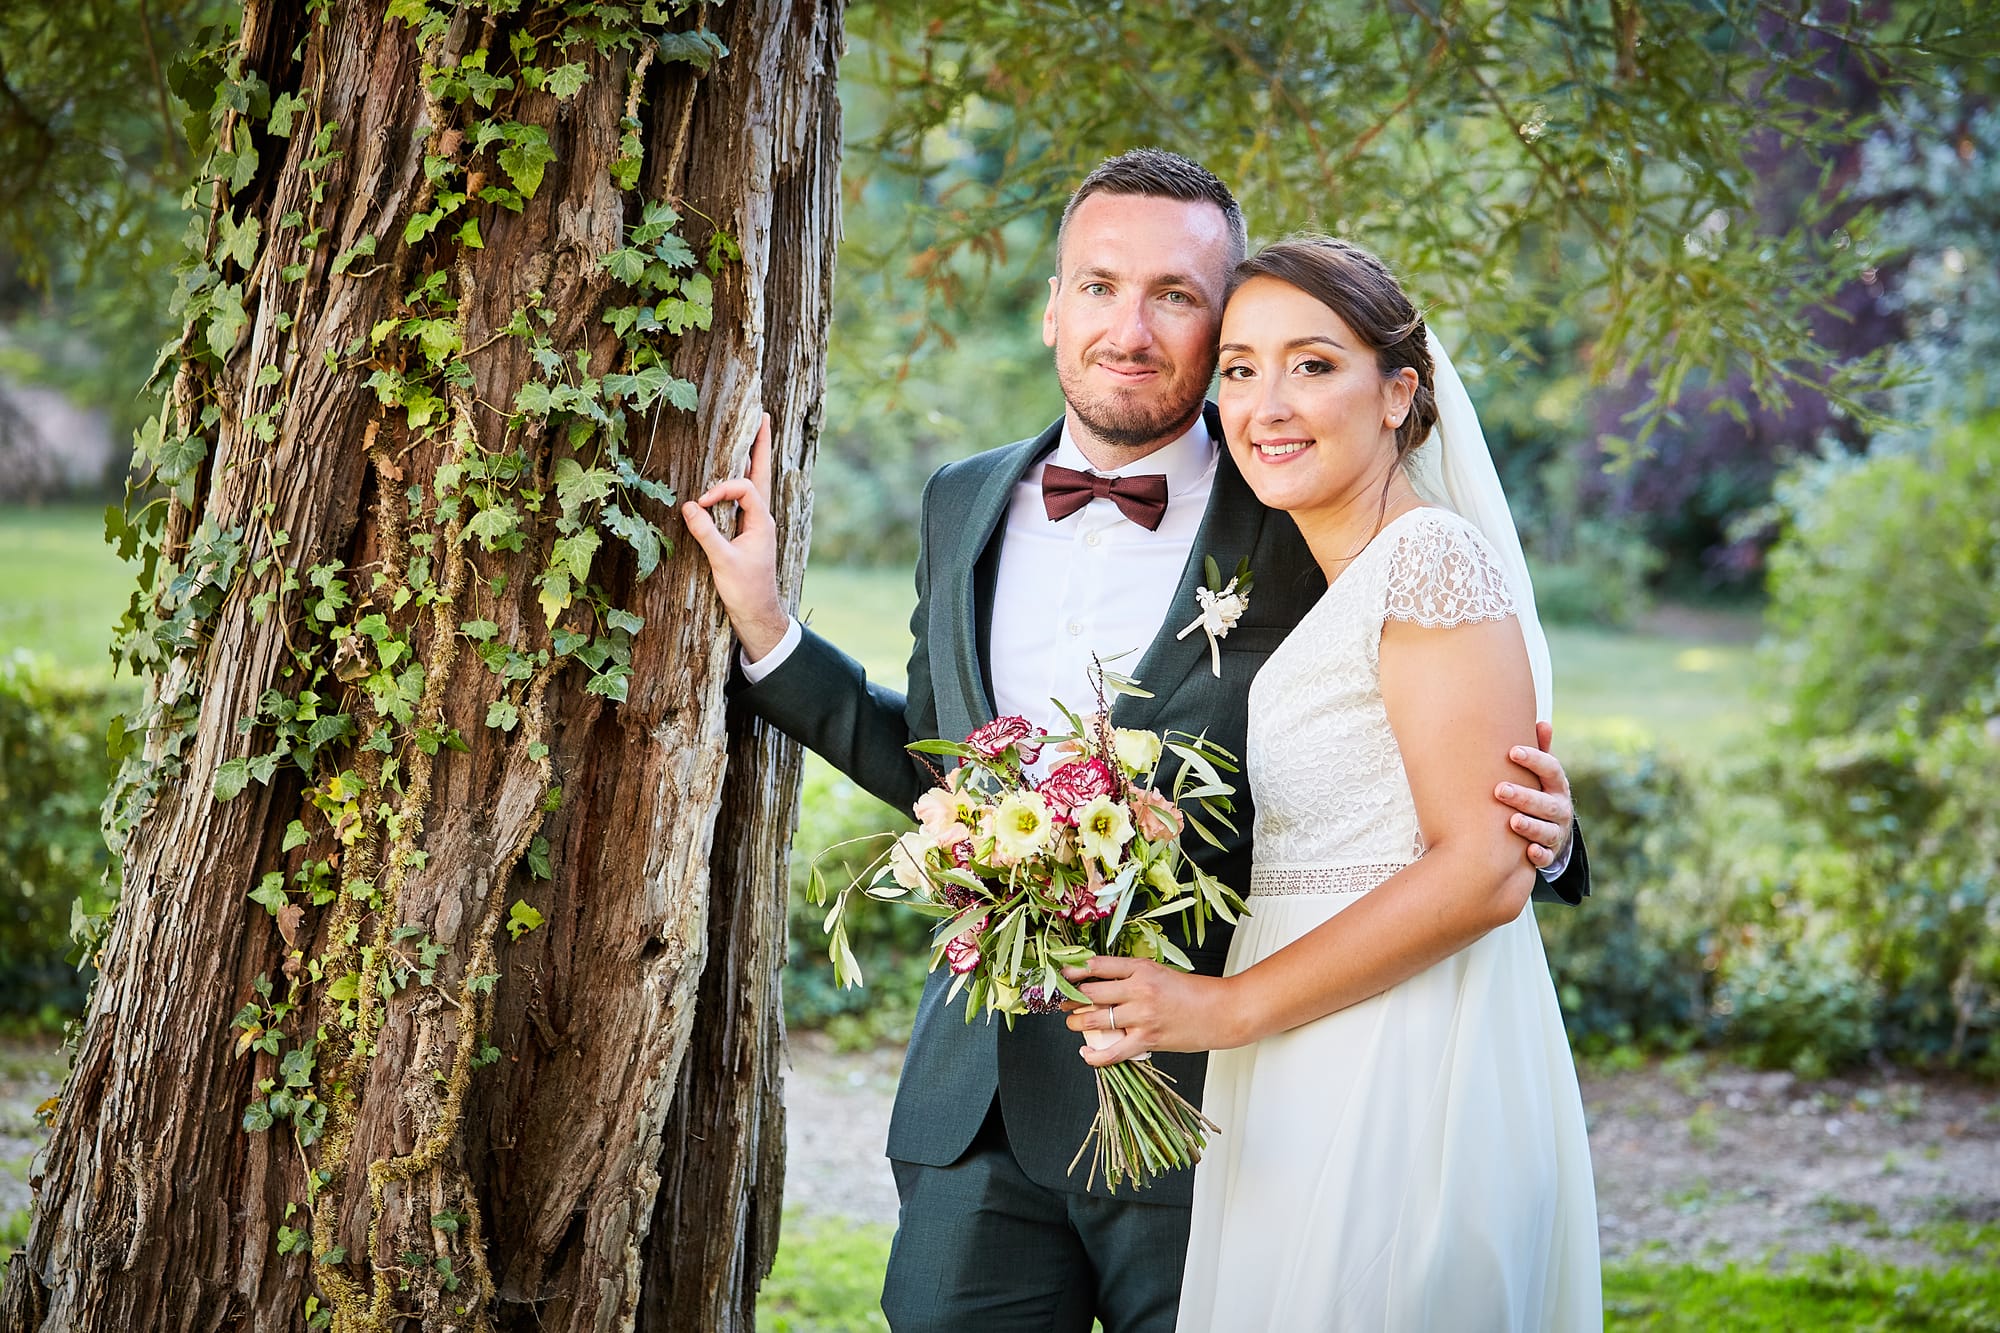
{"x":620,"y":1165}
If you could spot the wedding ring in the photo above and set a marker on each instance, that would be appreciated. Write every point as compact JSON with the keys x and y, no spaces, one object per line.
{"x":1111,"y":1018}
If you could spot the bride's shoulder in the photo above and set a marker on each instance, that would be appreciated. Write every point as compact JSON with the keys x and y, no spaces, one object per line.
{"x":1442,"y":570}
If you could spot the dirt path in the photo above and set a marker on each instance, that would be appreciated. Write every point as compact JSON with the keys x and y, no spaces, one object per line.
{"x":1696,"y":1159}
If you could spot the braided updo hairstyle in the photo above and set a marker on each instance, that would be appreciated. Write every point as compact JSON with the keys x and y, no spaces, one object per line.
{"x":1358,"y":287}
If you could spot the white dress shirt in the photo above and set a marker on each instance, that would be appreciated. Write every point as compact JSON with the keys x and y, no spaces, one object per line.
{"x":1094,"y":582}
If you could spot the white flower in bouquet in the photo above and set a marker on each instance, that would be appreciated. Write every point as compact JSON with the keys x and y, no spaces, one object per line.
{"x":1021,"y":825}
{"x":906,"y":860}
{"x":1102,"y":829}
{"x":1138,"y":751}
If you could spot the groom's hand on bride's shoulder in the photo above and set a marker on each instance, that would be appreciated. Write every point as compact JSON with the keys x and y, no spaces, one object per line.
{"x":745,"y":567}
{"x":1543,"y":814}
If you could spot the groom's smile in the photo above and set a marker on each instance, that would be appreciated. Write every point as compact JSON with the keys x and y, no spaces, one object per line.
{"x":1133,"y":317}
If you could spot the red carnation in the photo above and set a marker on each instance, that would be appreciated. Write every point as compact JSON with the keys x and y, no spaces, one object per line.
{"x":962,"y":951}
{"x":1076,"y":783}
{"x":991,"y":741}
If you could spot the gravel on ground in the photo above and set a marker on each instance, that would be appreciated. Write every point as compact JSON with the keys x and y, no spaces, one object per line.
{"x":1697,"y":1159}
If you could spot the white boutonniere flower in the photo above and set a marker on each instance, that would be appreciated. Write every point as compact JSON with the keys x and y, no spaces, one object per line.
{"x":1222,"y":605}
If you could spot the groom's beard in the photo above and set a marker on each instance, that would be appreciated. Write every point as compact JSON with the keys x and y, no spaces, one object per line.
{"x":1130,"y":418}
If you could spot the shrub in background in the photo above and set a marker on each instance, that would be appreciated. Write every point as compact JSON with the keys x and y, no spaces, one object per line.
{"x":1631,"y":964}
{"x":1885,"y":653}
{"x":893,"y":947}
{"x":53,"y":774}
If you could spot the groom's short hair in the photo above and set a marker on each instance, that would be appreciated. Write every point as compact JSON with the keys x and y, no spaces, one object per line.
{"x":1159,"y":174}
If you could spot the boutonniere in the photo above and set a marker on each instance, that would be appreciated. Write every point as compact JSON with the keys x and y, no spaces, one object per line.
{"x":1222,"y":605}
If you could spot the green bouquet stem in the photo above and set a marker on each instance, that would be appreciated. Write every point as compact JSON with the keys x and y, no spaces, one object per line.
{"x":1144,"y":1128}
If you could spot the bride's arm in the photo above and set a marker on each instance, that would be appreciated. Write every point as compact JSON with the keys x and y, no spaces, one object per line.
{"x":1457,"y":700}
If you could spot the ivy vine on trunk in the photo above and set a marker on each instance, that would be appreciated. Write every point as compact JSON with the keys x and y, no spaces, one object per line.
{"x":432,"y":998}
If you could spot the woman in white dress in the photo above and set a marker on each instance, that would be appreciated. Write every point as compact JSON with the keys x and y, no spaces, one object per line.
{"x":1402,"y":1143}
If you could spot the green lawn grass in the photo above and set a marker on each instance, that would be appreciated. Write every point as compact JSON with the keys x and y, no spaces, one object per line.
{"x":61,"y":587}
{"x":828,"y":1279}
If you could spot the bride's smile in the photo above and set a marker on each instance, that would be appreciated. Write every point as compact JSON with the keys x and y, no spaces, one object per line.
{"x":1309,"y":415}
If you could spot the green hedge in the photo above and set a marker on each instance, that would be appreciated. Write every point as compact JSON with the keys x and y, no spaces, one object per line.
{"x":53,"y":774}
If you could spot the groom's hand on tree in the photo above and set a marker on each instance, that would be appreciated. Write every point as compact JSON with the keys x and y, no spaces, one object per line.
{"x":745,"y":567}
{"x":1544,"y":815}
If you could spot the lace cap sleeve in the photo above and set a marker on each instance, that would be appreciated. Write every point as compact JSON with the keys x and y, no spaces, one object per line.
{"x":1443,"y":573}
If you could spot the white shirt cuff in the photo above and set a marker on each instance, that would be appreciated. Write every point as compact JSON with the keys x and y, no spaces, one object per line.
{"x":1551,"y":872}
{"x":771,"y":661}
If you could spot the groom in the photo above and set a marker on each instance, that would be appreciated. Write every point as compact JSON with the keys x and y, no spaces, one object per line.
{"x":1087,"y":538}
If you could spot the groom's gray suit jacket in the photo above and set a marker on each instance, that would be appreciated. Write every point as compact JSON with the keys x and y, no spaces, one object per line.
{"x":822,"y":697}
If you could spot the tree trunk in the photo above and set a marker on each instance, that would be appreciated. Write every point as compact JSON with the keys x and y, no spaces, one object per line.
{"x":497,"y":1042}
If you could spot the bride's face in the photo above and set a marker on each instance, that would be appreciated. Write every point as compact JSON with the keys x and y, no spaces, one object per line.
{"x":1310,"y":418}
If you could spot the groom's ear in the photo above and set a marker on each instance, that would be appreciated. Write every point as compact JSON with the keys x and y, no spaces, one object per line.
{"x":1049,"y":313}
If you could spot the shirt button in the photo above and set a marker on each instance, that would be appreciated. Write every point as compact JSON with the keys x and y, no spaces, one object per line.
{"x":1075,"y":628}
{"x":1094,"y":539}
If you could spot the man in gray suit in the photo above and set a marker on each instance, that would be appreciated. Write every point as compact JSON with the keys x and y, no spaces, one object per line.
{"x":1087,"y":538}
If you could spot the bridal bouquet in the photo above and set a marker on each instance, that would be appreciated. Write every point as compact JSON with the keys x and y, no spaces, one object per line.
{"x":1028,"y":876}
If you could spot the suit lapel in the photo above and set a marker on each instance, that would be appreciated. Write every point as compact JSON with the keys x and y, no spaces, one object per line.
{"x":1230,"y":530}
{"x":983,"y":525}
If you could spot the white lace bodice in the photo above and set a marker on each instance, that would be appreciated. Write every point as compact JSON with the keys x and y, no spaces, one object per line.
{"x":1334,"y":809}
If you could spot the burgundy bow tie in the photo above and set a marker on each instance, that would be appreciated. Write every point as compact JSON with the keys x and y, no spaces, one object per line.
{"x":1143,"y":499}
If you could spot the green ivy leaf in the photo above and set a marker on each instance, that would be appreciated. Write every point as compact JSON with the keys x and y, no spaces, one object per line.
{"x":226,"y":320}
{"x":576,"y":553}
{"x":238,"y":240}
{"x":177,"y":459}
{"x":626,"y":621}
{"x":700,"y":48}
{"x":494,"y":523}
{"x":361,"y":248}
{"x":231,"y":777}
{"x":534,"y":398}
{"x":526,"y":155}
{"x":625,"y":264}
{"x":538,"y":859}
{"x":283,"y":109}
{"x":270,"y":893}
{"x":295,"y":835}
{"x":566,"y":81}
{"x":478,"y":630}
{"x":522,"y":918}
{"x":503,"y":714}
{"x":639,"y":534}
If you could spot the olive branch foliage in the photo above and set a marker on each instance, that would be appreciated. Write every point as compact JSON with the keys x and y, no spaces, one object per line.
{"x":1592,"y":160}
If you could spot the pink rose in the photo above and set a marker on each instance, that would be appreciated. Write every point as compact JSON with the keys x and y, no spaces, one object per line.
{"x":938,"y":811}
{"x":1157,"y":817}
{"x":1076,"y":783}
{"x":991,"y":741}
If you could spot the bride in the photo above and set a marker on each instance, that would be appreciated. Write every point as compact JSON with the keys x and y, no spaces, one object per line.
{"x":1402,"y":1143}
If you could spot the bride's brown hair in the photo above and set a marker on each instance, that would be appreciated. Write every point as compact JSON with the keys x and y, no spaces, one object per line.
{"x":1358,"y":287}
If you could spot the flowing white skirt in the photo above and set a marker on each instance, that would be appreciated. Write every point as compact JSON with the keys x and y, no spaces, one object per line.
{"x":1415,"y":1162}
